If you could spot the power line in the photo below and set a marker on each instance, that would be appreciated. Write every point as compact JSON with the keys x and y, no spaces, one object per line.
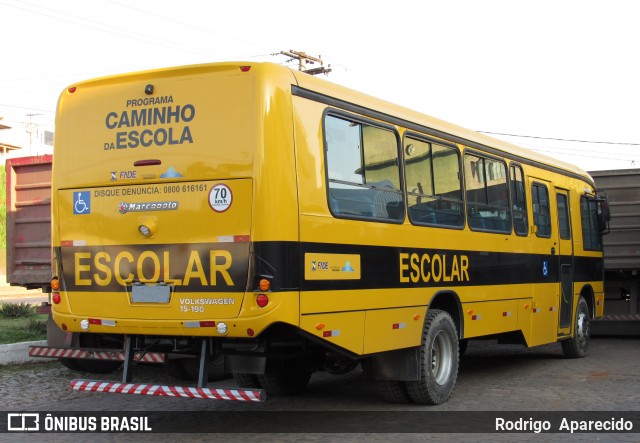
{"x":564,"y":149}
{"x":188,"y":25}
{"x":27,"y":108}
{"x":602,"y":156}
{"x":560,"y":139}
{"x":85,"y":22}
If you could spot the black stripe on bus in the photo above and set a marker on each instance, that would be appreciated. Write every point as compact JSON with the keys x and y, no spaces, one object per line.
{"x":384,"y":267}
{"x":236,"y":267}
{"x":343,"y":104}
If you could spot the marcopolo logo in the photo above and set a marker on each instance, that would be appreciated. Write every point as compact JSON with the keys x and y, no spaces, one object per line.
{"x":150,"y":206}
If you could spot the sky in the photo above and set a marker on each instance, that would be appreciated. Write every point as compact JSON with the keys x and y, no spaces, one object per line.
{"x":553,"y":74}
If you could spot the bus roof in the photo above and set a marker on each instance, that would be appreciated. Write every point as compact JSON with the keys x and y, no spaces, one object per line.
{"x":456,"y":133}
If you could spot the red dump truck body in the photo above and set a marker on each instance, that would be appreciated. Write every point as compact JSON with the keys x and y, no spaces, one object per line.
{"x":29,"y":221}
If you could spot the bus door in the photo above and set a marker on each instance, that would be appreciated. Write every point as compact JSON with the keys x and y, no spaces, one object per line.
{"x":564,"y":252}
{"x":544,"y":319}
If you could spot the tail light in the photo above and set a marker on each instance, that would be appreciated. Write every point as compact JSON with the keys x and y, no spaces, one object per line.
{"x":262,"y":300}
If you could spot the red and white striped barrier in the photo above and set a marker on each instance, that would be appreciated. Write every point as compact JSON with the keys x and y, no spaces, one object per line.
{"x":251,"y":395}
{"x":50,"y":352}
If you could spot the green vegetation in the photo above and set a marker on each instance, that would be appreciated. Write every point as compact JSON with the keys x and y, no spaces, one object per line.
{"x":19,"y":322}
{"x":16,"y":310}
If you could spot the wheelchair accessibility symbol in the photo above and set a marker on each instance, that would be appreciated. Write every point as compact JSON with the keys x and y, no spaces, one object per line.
{"x":545,"y":268}
{"x":82,"y":203}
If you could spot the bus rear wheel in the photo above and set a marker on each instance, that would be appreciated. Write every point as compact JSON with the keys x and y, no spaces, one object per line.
{"x":394,"y":391}
{"x":439,"y":360}
{"x":577,"y":346}
{"x":97,"y":341}
{"x":285,"y":376}
{"x":215,"y":371}
{"x":246,"y":381}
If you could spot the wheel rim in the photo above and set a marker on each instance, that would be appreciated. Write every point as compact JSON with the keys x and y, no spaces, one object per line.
{"x":582,"y":333}
{"x":441,"y":358}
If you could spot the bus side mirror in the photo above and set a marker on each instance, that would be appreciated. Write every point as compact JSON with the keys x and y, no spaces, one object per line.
{"x":603,"y":226}
{"x":604,"y":216}
{"x":604,"y":210}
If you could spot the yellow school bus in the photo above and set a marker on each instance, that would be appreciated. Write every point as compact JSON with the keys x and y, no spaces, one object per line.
{"x":274,"y":224}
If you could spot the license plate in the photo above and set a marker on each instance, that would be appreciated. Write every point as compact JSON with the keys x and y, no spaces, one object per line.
{"x":150,"y":294}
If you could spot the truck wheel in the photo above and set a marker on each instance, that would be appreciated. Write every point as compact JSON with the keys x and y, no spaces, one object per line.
{"x":577,"y":346}
{"x":439,"y":360}
{"x":285,"y":377}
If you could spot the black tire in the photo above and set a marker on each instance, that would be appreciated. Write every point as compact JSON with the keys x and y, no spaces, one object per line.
{"x":215,"y":372}
{"x":71,"y":363}
{"x":246,"y":381}
{"x":439,"y":360}
{"x":97,"y":341}
{"x":578,"y":346}
{"x":394,"y":391}
{"x":99,"y":366}
{"x":175,"y":369}
{"x":462,"y":346}
{"x":285,"y":377}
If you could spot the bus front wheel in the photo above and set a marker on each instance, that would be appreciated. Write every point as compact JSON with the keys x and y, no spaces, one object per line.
{"x":577,"y":346}
{"x":439,"y":360}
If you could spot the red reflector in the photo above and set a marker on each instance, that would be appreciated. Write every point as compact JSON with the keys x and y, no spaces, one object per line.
{"x":72,"y":89}
{"x":207,"y":324}
{"x":56,"y":298}
{"x":245,"y":68}
{"x":396,"y":326}
{"x":262,"y":300}
{"x":64,"y":327}
{"x":250,"y":332}
{"x":95,"y":321}
{"x":326,"y":334}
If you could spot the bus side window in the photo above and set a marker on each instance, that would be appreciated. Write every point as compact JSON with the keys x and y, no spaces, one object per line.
{"x":541,"y":213}
{"x":563,"y":217}
{"x":363,"y":170}
{"x":434,"y":191}
{"x":518,"y":201}
{"x":487,"y":194}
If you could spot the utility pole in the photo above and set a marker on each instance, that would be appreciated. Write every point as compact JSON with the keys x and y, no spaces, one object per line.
{"x":30,"y":129}
{"x":304,"y":60}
